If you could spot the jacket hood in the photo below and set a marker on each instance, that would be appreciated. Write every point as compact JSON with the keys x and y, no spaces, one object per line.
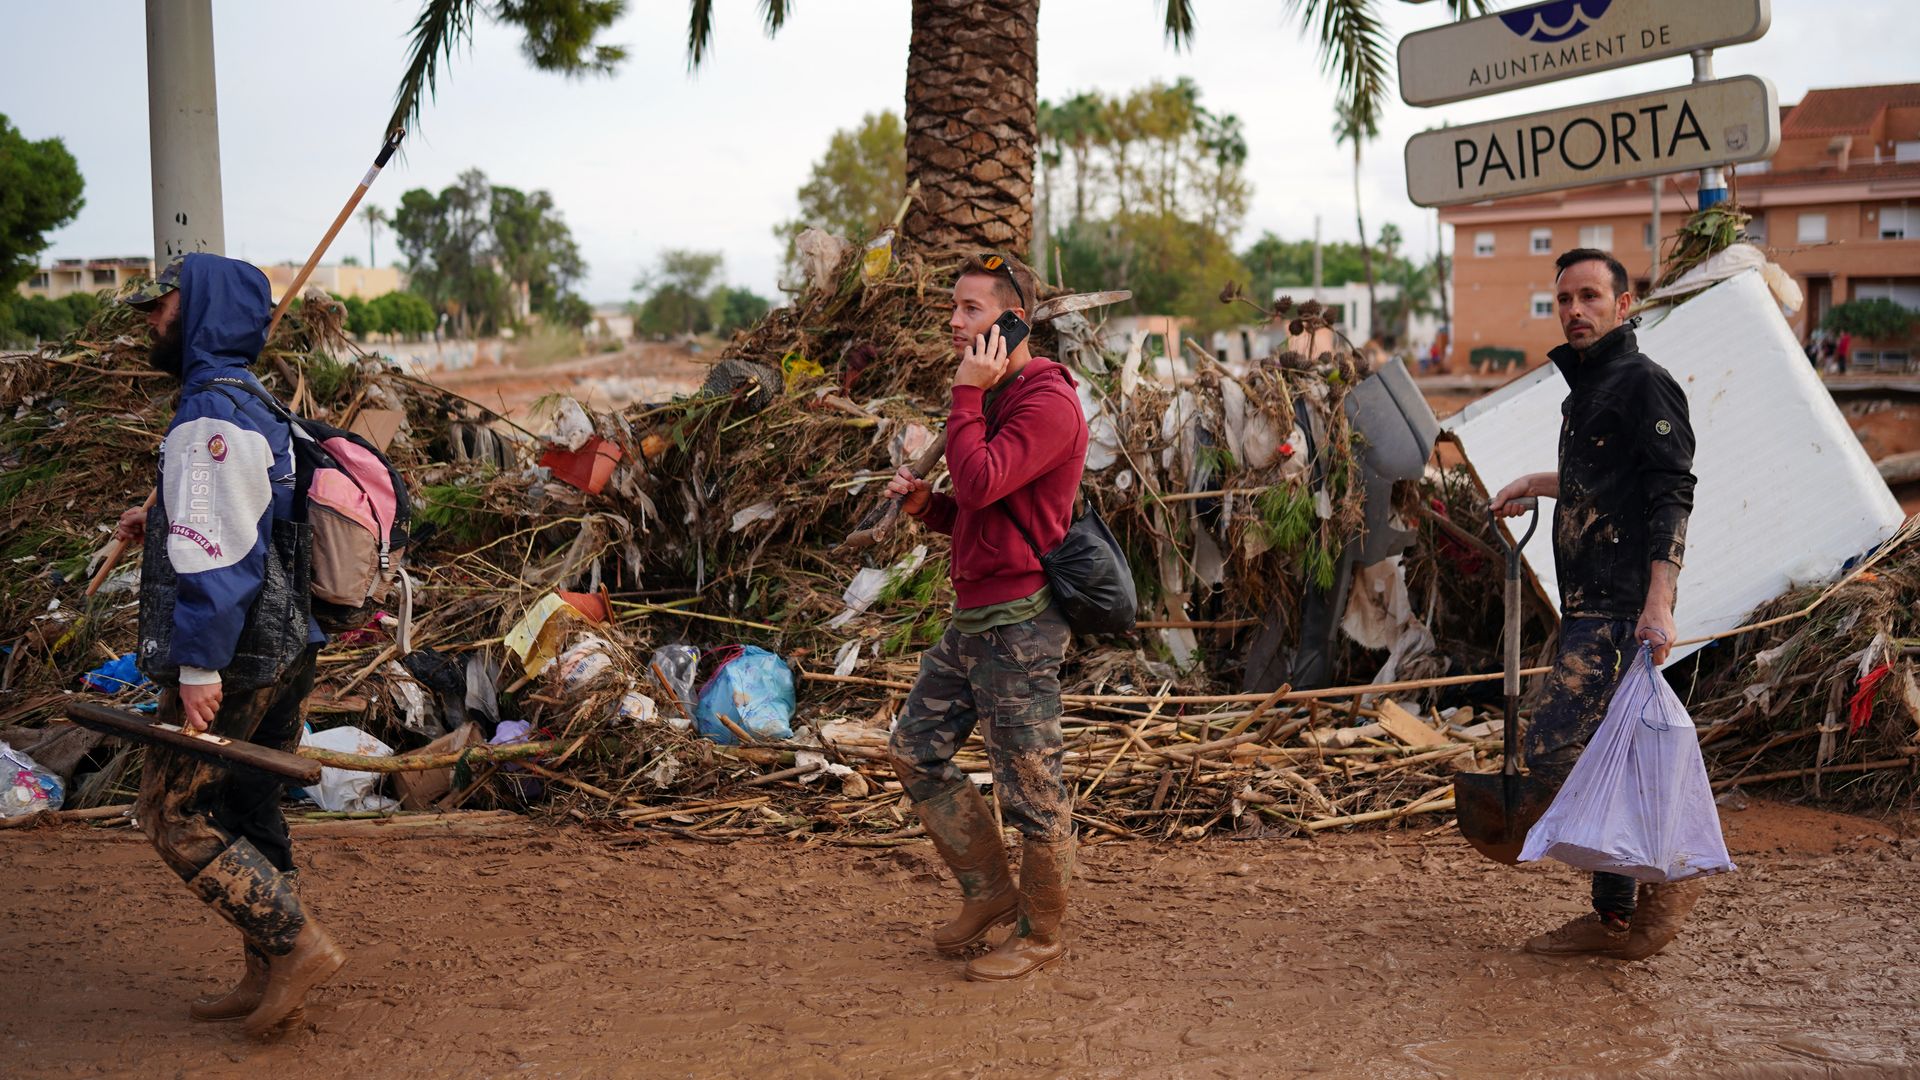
{"x":224,"y":308}
{"x":1615,"y":343}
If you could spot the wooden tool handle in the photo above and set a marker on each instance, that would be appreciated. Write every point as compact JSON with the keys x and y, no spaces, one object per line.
{"x":227,"y":753}
{"x":115,"y":550}
{"x":879,"y":521}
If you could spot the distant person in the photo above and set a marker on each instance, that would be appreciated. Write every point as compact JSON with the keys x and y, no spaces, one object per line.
{"x":1016,"y":448}
{"x":1623,"y":494}
{"x":1843,"y":351}
{"x":225,"y":629}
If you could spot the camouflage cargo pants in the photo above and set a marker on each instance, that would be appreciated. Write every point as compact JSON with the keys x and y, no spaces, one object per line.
{"x":1008,"y":677}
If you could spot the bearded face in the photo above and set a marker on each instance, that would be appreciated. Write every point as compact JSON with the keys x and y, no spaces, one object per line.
{"x":168,"y":351}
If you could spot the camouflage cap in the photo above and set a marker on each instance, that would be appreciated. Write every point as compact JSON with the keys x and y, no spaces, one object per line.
{"x":167,"y":280}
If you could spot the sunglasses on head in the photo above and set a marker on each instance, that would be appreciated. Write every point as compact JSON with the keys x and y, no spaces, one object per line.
{"x":996,"y":264}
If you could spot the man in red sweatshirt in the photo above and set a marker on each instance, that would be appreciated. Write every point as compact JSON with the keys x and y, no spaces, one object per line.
{"x":1016,"y":445}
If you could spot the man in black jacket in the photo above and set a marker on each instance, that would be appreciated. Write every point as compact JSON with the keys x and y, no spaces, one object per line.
{"x":1623,"y":493}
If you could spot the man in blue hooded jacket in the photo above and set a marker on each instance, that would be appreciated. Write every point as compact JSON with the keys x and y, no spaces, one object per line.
{"x":225,"y":628}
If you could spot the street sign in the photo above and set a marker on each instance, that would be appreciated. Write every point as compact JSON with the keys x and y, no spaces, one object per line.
{"x":1668,"y":131}
{"x":1563,"y":38}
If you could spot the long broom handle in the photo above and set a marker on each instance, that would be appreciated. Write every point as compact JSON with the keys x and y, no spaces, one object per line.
{"x":339,"y":222}
{"x":115,"y":550}
{"x":119,"y":547}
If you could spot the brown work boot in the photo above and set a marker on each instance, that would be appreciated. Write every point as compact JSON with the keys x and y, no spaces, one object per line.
{"x":245,"y":996}
{"x":1587,"y":934}
{"x":313,"y":961}
{"x":1657,"y":916}
{"x":239,"y":1001}
{"x":1036,"y":941}
{"x":963,"y":831}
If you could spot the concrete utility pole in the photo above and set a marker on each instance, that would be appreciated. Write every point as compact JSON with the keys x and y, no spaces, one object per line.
{"x":183,"y":119}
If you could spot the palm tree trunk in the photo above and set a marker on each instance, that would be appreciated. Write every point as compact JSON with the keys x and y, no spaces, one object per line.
{"x":1366,"y":249}
{"x":970,"y":105}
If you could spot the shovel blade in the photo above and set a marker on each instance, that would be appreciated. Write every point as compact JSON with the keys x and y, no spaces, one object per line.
{"x":1480,"y":802}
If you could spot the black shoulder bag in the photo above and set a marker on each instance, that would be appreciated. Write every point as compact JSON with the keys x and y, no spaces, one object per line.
{"x":1088,"y":574}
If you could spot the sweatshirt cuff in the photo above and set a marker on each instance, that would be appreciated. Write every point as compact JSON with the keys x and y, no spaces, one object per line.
{"x":193,"y":676}
{"x":1668,"y":549}
{"x":969,"y":398}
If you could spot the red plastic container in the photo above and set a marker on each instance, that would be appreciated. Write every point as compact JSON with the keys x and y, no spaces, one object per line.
{"x":588,"y":468}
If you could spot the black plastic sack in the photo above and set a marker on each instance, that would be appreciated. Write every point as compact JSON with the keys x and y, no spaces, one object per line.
{"x":1089,"y":577}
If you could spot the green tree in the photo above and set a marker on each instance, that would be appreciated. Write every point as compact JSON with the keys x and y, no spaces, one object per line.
{"x":679,"y":292}
{"x":738,"y":308}
{"x":400,"y":313}
{"x":1879,"y":319}
{"x":40,"y":190}
{"x":479,"y":252}
{"x":856,"y":187}
{"x":971,"y":109}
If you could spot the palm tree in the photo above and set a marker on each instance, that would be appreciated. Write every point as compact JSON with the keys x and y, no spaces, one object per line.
{"x":1354,"y":124}
{"x":970,"y":96}
{"x":374,"y":218}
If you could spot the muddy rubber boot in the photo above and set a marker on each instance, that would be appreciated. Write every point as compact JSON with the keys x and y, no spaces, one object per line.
{"x":261,"y":903}
{"x":962,"y":828}
{"x":1036,"y":941}
{"x":1587,"y":934}
{"x":1657,"y":917}
{"x":313,"y":960}
{"x":236,"y":1003}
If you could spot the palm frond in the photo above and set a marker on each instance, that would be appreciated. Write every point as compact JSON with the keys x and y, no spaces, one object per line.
{"x":441,"y":27}
{"x":1352,"y":47}
{"x":699,"y":32}
{"x":560,"y":34}
{"x":1467,"y":9}
{"x":1180,"y":23}
{"x":775,"y":14}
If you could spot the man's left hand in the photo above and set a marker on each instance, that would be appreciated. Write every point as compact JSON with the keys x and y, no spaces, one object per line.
{"x":198,"y":705}
{"x":984,"y":362}
{"x":1656,"y":628}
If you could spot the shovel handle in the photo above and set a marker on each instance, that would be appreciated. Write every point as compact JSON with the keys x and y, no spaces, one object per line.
{"x":114,"y":551}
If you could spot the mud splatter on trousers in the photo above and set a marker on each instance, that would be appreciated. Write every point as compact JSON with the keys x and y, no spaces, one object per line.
{"x":1592,"y":656}
{"x":193,"y":810}
{"x":1008,"y":677}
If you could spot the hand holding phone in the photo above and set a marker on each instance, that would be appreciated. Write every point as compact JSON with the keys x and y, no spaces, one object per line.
{"x":984,"y":362}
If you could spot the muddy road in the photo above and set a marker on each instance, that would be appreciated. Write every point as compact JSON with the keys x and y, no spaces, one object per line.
{"x":514,"y":950}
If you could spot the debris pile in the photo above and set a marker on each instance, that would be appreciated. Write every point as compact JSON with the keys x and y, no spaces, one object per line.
{"x":581,"y":590}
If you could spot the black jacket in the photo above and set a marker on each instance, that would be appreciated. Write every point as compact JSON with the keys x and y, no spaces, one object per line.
{"x":1626,"y":476}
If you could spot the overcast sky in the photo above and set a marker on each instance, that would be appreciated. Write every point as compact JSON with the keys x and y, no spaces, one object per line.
{"x":654,"y":158}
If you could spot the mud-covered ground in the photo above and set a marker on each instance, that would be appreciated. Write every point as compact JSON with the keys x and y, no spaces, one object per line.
{"x":513,"y":950}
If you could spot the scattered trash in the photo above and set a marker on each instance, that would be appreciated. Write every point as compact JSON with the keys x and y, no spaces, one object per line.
{"x":420,"y":790}
{"x":753,"y":690}
{"x":25,"y":787}
{"x":118,"y":676}
{"x":341,"y":790}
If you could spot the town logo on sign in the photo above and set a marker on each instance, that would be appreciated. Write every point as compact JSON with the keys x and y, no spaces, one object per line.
{"x":1555,"y":21}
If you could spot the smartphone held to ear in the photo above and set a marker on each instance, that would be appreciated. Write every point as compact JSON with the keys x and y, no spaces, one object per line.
{"x":1013,"y":329}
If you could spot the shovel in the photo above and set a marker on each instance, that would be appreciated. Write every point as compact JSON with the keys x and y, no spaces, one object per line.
{"x":879,"y":521}
{"x":1497,"y":809}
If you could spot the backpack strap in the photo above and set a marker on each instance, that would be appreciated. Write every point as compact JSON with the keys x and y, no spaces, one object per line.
{"x":1024,"y":534}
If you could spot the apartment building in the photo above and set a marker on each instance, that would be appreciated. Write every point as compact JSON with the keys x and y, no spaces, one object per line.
{"x":67,"y":276}
{"x":1838,"y":208}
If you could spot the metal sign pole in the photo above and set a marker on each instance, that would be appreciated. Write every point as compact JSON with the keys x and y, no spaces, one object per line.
{"x":1713,"y":182}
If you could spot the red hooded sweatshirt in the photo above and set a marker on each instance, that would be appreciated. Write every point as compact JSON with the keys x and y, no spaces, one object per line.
{"x":1023,"y":459}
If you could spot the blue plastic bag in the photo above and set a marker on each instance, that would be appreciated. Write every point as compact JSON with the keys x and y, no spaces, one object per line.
{"x":116,"y":676}
{"x":755,"y":691}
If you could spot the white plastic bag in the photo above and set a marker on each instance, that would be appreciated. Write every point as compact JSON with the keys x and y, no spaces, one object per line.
{"x":1637,"y":802}
{"x":343,"y":790}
